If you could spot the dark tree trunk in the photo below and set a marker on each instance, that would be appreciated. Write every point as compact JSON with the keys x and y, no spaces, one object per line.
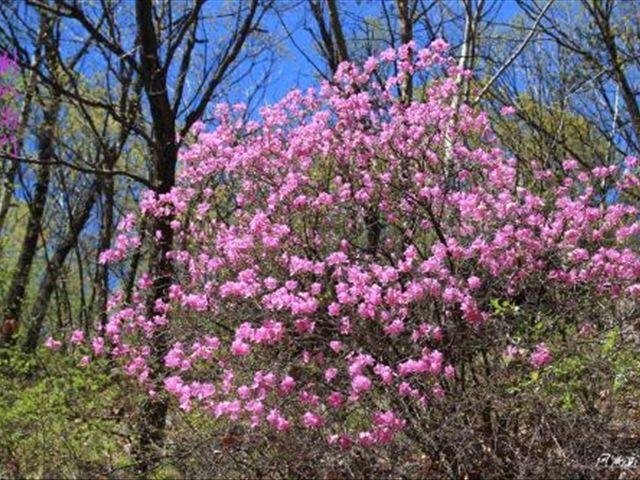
{"x":106,"y":231}
{"x":54,"y":267}
{"x":15,"y":297}
{"x":7,"y":193}
{"x":326,"y":46}
{"x":406,"y":13}
{"x":136,"y":258}
{"x":338,"y":34}
{"x":154,"y":410}
{"x":25,"y":114}
{"x":164,"y":151}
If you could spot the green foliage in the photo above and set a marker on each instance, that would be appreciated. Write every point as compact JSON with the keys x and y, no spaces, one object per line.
{"x":503,"y":308}
{"x":550,"y":134}
{"x":58,"y":419}
{"x":592,"y":374}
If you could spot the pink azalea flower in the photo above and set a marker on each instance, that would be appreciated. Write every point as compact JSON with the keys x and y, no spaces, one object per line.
{"x":52,"y":344}
{"x":541,"y":356}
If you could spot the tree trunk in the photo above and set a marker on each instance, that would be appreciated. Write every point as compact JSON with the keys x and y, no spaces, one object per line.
{"x":406,"y":13}
{"x":154,"y":410}
{"x":25,"y":114}
{"x":54,"y":267}
{"x":135,"y":264}
{"x":7,"y":193}
{"x":106,"y":230}
{"x":338,"y":34}
{"x":15,"y":297}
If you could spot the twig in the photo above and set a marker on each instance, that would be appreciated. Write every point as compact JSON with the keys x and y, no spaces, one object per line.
{"x":515,"y":54}
{"x":79,"y":168}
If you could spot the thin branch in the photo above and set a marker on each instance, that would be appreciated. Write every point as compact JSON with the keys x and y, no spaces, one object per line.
{"x":515,"y":54}
{"x":79,"y":168}
{"x":239,"y":41}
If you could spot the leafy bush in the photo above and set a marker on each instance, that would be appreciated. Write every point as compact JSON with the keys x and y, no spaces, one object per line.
{"x":60,"y":420}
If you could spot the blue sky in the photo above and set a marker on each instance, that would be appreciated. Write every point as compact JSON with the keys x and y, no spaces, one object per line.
{"x":295,"y":69}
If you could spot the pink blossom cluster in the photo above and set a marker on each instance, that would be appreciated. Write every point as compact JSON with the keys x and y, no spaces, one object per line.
{"x":541,"y":356}
{"x":324,"y":251}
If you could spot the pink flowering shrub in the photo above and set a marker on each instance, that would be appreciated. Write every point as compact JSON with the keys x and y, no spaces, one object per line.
{"x":336,"y":258}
